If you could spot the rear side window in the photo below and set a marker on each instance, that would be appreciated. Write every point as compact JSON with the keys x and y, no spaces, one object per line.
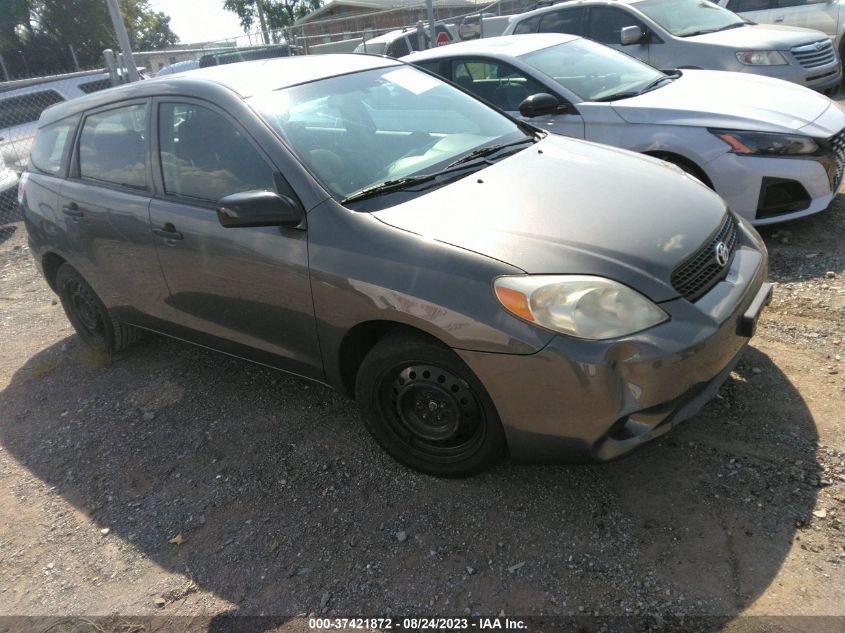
{"x":749,"y":5}
{"x":112,"y":147}
{"x":527,"y":26}
{"x":26,"y":108}
{"x":49,"y":146}
{"x":205,"y":156}
{"x":571,"y":21}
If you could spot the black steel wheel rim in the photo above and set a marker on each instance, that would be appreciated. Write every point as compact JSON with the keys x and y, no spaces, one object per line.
{"x":85,"y":309}
{"x":432,"y":411}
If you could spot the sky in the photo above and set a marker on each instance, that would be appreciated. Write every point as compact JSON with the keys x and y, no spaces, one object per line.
{"x":199,"y":20}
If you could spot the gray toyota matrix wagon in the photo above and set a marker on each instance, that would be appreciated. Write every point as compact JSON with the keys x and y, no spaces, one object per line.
{"x":479,"y":286}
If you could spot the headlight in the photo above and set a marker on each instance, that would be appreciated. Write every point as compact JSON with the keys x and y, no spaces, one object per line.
{"x":767,"y":142}
{"x":578,"y":305}
{"x":761,"y":58}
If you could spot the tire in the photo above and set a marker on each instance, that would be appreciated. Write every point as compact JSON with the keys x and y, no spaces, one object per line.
{"x":426,"y":408}
{"x":89,"y":316}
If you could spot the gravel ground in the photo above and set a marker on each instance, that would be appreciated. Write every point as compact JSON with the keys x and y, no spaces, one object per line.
{"x":176,"y":481}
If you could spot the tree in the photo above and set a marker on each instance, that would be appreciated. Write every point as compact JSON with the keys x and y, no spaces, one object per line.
{"x":35,"y":35}
{"x":277,"y":13}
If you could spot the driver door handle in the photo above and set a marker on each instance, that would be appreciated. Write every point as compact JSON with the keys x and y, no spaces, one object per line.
{"x":168,"y":232}
{"x":72,"y":209}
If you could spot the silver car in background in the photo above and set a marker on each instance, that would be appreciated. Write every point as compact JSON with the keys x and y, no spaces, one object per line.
{"x":773,"y":150}
{"x":671,"y":34}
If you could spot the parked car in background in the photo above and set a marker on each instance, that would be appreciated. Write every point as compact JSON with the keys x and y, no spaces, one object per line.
{"x":8,"y":194}
{"x":773,"y":150}
{"x":402,"y":42}
{"x":822,"y":15}
{"x":671,"y":34}
{"x":477,"y":284}
{"x":470,"y":26}
{"x":23,"y":101}
{"x":178,"y":67}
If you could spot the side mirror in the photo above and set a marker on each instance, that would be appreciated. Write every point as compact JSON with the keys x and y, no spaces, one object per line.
{"x":539,"y":104}
{"x":631,"y":35}
{"x":258,"y":208}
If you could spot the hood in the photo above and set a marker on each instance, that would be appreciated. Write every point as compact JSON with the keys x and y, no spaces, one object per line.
{"x":760,"y":37}
{"x":711,"y":98}
{"x":569,"y":206}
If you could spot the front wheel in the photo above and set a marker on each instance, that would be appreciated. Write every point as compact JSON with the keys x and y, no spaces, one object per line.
{"x":89,"y":316}
{"x":426,"y":408}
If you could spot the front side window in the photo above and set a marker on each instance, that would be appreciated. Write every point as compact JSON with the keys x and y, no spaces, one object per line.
{"x":49,"y":146}
{"x":26,"y":108}
{"x":570,"y":21}
{"x":500,"y":84}
{"x":685,"y":18}
{"x":112,"y":147}
{"x":360,"y":129}
{"x":592,"y":71}
{"x":606,"y":24}
{"x":398,"y":48}
{"x":205,"y":156}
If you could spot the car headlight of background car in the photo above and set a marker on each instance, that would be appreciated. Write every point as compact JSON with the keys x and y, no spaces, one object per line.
{"x":578,"y":305}
{"x":761,"y":58}
{"x":767,"y":142}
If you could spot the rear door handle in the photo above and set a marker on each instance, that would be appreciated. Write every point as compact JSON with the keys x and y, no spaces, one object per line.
{"x":779,"y":18}
{"x":72,"y":209}
{"x":168,"y":232}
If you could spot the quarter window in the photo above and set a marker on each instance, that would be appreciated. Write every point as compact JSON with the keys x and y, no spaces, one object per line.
{"x":205,"y":156}
{"x":49,"y":147}
{"x":112,"y":147}
{"x":26,"y":108}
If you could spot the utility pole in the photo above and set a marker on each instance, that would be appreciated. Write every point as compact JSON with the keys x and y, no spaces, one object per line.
{"x":262,"y":21}
{"x":123,"y":40}
{"x":431,"y":30}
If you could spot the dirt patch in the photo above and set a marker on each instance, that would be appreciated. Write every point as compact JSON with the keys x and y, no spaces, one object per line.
{"x":285,"y":506}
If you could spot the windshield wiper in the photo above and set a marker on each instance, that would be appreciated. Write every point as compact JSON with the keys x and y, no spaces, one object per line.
{"x":487,"y":151}
{"x":409,"y":181}
{"x":387,"y":186}
{"x":734,"y":25}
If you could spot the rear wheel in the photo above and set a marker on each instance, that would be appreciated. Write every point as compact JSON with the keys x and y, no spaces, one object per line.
{"x":89,"y":316}
{"x":426,"y":408}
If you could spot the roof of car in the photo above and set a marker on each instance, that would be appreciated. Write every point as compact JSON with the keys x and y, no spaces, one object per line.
{"x":245,"y":79}
{"x":560,"y":5}
{"x":511,"y":45}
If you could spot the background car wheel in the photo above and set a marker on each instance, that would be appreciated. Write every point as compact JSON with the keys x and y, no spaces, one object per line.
{"x":689,"y":167}
{"x":89,"y":317}
{"x":426,"y":408}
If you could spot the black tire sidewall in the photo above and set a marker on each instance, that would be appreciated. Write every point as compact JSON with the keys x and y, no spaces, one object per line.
{"x":67,"y":274}
{"x":382,"y":362}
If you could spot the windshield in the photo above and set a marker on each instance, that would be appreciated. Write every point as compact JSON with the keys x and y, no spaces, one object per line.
{"x":683,"y":18}
{"x":359,"y":130}
{"x":592,"y":71}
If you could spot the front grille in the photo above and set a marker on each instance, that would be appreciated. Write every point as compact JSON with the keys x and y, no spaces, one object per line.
{"x":837,"y":144}
{"x":813,"y":55}
{"x":701,"y":271}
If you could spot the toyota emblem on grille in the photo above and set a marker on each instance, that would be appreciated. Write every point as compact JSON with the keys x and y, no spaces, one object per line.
{"x":722,"y":254}
{"x":819,"y":46}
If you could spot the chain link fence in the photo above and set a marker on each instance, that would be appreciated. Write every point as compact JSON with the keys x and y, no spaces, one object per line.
{"x":21,"y":103}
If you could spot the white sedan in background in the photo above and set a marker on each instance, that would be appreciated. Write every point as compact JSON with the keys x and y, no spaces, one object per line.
{"x":773,"y":150}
